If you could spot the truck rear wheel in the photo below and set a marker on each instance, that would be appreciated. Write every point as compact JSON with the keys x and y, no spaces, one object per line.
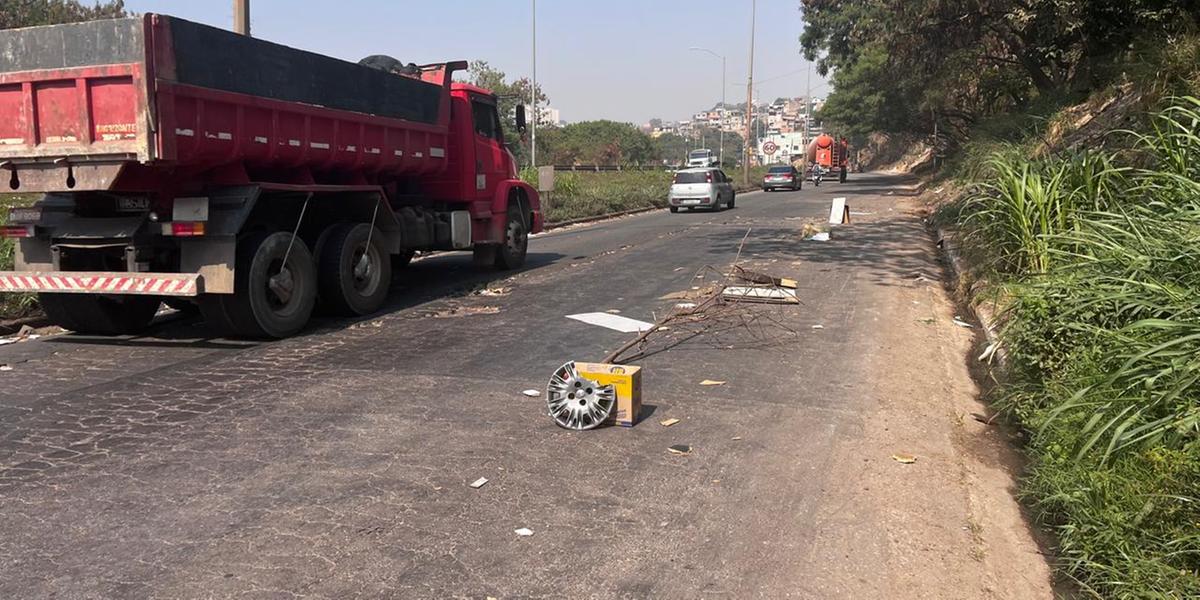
{"x":354,"y":278}
{"x":511,"y":253}
{"x":100,"y":315}
{"x":271,"y":301}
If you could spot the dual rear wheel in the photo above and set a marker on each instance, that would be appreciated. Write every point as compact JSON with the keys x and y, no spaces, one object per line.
{"x":279,"y":283}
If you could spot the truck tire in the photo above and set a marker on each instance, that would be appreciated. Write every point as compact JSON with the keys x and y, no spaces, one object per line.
{"x":510,"y":254}
{"x":343,"y":288}
{"x":255,"y":310}
{"x":100,"y":315}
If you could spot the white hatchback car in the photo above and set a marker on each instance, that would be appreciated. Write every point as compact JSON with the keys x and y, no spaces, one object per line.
{"x":701,"y":188}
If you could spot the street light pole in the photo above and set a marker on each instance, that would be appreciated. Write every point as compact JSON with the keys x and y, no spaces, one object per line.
{"x":533,"y":94}
{"x":749,"y":96}
{"x":241,"y":17}
{"x":721,"y":120}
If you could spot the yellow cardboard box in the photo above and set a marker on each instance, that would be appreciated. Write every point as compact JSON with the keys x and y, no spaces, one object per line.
{"x":626,"y":380}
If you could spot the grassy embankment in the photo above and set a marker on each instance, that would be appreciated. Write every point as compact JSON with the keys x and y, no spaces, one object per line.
{"x":1094,"y":258}
{"x":582,"y":194}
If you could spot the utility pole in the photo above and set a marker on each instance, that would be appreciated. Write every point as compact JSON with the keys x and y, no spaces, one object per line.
{"x":533,"y":94}
{"x":241,"y":17}
{"x":721,"y":119}
{"x":749,"y":97}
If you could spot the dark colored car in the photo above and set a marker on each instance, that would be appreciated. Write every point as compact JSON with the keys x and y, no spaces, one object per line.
{"x":782,"y":176}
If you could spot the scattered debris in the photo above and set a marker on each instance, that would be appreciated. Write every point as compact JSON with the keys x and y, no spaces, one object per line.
{"x":736,"y":438}
{"x":818,"y":327}
{"x":613,"y":311}
{"x":677,"y":269}
{"x":686,"y":305}
{"x":820,"y":237}
{"x":478,"y":483}
{"x":6,"y":367}
{"x":680,"y":449}
{"x":368,"y":324}
{"x":768,"y":294}
{"x":712,"y":382}
{"x":961,"y":323}
{"x":762,"y":278}
{"x":989,"y":352}
{"x":906,"y":459}
{"x":614,"y":322}
{"x":523,"y":532}
{"x":464,"y":311}
{"x":927,"y":320}
{"x":668,"y":422}
{"x":497,"y":291}
{"x":533,"y":393}
{"x":6,"y":341}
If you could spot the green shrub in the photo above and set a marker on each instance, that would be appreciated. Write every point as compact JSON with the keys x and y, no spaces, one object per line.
{"x":1098,"y":263}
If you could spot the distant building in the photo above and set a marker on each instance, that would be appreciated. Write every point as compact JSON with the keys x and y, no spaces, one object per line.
{"x":548,"y":115}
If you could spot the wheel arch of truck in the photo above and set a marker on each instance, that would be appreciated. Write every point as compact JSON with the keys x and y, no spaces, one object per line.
{"x":511,"y":190}
{"x":235,"y":211}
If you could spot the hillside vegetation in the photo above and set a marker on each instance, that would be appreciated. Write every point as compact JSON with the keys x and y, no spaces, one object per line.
{"x":1073,"y":130}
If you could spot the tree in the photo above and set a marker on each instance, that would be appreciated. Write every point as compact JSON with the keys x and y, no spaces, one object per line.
{"x":28,"y":13}
{"x":598,"y":143}
{"x":897,"y":63}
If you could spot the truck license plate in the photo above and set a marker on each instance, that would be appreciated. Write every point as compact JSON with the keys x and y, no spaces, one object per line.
{"x":133,"y":204}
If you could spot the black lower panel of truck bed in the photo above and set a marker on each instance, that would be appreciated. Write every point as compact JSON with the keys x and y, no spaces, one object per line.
{"x":214,"y":58}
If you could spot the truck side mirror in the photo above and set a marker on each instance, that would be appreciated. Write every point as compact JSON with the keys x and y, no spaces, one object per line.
{"x":521,"y":118}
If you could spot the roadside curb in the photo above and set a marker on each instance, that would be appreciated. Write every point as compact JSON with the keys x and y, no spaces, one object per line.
{"x":985,"y":314}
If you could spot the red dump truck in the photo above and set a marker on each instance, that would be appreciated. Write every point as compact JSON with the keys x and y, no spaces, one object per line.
{"x":831,"y":154}
{"x":188,"y":164}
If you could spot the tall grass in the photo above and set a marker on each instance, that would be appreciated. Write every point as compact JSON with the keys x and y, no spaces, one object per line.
{"x":1100,"y":262}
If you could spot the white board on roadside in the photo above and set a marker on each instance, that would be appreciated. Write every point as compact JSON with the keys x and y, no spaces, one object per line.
{"x":614,"y":322}
{"x":837,"y":211}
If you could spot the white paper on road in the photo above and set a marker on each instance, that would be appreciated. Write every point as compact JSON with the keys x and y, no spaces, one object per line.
{"x":614,"y":322}
{"x":836,"y":211}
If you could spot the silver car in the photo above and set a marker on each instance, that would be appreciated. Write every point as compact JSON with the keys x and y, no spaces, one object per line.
{"x":701,"y":188}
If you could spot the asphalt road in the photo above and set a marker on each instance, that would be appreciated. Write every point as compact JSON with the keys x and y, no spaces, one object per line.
{"x":337,"y":463}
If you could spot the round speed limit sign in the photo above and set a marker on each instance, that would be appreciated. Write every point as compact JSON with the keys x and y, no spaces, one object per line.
{"x":770,"y":147}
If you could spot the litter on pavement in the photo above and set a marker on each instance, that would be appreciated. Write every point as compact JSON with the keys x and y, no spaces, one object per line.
{"x":5,"y":367}
{"x":961,"y":323}
{"x":680,"y":449}
{"x":906,"y":459}
{"x":712,"y":382}
{"x":532,"y":393}
{"x":820,"y":237}
{"x":614,"y":322}
{"x":523,"y":532}
{"x":767,"y":294}
{"x":478,"y":483}
{"x":668,"y":422}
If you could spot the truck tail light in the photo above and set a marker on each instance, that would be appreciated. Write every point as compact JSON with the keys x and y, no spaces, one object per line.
{"x":16,"y":231}
{"x":187,"y":228}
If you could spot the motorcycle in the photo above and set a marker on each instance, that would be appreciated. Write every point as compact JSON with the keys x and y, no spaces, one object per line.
{"x":818,"y":173}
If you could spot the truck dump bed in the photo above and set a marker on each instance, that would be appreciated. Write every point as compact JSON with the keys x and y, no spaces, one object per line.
{"x":108,"y":98}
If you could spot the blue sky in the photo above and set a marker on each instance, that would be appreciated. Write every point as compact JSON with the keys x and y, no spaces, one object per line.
{"x":626,"y":60}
